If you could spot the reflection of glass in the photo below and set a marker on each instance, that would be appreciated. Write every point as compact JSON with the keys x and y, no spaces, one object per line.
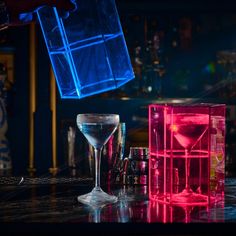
{"x":95,"y":214}
{"x":187,"y":211}
{"x":113,"y":154}
{"x":97,"y":128}
{"x":188,"y":129}
{"x":71,"y":147}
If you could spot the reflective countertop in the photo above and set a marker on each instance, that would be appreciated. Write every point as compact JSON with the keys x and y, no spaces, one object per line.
{"x":54,"y":200}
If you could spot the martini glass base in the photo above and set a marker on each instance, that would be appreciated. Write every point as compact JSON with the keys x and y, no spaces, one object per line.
{"x":189,"y":197}
{"x":97,"y":198}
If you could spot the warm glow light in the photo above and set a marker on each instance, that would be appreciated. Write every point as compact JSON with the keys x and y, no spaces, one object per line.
{"x":174,"y":128}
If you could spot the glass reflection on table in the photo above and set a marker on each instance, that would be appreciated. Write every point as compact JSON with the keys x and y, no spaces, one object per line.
{"x":166,"y":213}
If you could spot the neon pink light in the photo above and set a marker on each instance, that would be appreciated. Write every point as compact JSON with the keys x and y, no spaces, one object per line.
{"x":186,"y":145}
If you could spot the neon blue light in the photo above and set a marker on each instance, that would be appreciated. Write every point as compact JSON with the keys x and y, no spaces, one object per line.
{"x":87,"y":50}
{"x":70,"y":59}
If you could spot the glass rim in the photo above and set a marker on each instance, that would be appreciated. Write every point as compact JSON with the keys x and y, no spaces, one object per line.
{"x":97,"y":114}
{"x":96,"y":117}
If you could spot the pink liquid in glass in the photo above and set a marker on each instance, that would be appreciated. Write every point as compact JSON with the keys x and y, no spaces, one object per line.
{"x":188,"y":128}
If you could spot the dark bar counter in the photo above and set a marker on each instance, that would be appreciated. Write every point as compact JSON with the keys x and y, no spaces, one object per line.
{"x":50,"y":206}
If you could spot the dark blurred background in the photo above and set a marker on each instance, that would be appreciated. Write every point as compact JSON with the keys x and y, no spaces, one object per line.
{"x":181,"y":51}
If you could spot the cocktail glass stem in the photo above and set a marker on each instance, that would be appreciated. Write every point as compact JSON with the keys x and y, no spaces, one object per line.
{"x":187,"y":170}
{"x":97,"y":152}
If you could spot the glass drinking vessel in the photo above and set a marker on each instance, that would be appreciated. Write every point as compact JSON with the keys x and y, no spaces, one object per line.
{"x":188,"y":129}
{"x":97,"y":129}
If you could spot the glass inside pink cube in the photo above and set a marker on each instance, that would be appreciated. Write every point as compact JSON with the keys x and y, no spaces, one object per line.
{"x":187,"y":153}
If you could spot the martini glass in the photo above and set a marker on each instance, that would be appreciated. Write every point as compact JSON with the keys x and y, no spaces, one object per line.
{"x":97,"y":129}
{"x":188,"y":129}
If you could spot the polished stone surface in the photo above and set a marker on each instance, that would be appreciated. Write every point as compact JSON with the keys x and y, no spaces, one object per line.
{"x":53,"y":200}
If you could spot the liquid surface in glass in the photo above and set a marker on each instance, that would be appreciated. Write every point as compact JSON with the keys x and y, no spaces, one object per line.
{"x":97,"y":134}
{"x":188,"y":128}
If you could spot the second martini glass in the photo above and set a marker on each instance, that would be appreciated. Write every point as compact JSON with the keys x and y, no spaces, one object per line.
{"x":188,"y":129}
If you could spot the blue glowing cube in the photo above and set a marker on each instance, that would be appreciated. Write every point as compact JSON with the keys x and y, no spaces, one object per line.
{"x":87,"y":50}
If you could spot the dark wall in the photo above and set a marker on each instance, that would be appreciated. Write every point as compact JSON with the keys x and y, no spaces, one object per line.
{"x":18,"y":117}
{"x":19,"y":96}
{"x":133,"y":111}
{"x":43,"y":114}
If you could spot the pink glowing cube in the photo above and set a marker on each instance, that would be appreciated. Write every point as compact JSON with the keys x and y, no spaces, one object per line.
{"x":187,"y":153}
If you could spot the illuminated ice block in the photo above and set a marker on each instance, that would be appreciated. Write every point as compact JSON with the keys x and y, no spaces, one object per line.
{"x":187,"y":153}
{"x":87,"y":50}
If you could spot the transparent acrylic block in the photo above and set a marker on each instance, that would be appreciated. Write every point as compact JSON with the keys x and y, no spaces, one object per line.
{"x":87,"y":50}
{"x":187,"y":153}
